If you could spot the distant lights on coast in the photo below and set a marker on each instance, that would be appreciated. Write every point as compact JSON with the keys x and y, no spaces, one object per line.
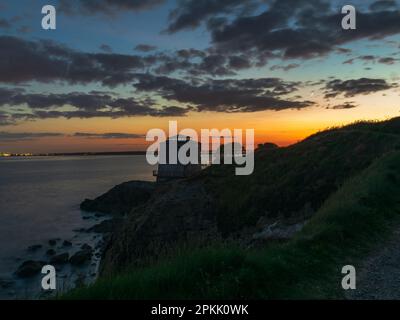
{"x":6,"y":154}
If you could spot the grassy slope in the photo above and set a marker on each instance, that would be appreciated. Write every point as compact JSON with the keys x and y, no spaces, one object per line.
{"x":294,"y":182}
{"x":349,"y":223}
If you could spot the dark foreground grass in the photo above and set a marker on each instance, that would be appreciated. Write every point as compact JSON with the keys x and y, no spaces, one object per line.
{"x":357,"y":218}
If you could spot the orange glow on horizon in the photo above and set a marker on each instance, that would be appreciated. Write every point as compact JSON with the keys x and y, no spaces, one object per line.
{"x":281,"y":127}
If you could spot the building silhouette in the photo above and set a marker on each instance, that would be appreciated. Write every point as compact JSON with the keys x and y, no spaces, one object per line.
{"x":172,"y":170}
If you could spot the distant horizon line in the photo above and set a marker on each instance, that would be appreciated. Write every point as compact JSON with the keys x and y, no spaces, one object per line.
{"x":80,"y":153}
{"x":84,"y":153}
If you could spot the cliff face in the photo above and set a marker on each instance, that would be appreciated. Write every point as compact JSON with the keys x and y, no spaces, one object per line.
{"x":121,"y":199}
{"x":288,"y":186}
{"x":334,"y":182}
{"x":177,"y":214}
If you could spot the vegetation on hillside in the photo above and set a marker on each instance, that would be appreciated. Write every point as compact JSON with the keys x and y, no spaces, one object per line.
{"x":294,"y":182}
{"x":346,"y":181}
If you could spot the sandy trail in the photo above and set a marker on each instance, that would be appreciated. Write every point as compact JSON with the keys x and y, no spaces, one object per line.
{"x":378,"y":278}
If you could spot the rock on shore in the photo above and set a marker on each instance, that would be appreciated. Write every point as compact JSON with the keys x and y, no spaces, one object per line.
{"x":121,"y":199}
{"x":29,"y":268}
{"x":105,"y":226}
{"x":178,"y":213}
{"x":81,"y":257}
{"x":60,"y":258}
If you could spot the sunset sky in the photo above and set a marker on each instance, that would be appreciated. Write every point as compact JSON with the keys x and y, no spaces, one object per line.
{"x":113,"y":69}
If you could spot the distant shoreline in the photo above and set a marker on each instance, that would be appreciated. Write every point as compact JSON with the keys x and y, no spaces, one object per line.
{"x":121,"y":153}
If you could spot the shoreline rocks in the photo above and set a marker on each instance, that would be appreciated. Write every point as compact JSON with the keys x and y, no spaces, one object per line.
{"x":106,"y":226}
{"x":50,"y":252}
{"x":29,"y":268}
{"x":67,"y":243}
{"x":81,"y":257}
{"x":178,"y":213}
{"x":60,"y":258}
{"x":120,"y":199}
{"x":48,"y":255}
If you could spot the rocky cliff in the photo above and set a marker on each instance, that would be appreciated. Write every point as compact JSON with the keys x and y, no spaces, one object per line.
{"x":289,"y":185}
{"x":120,"y":199}
{"x":159,"y":220}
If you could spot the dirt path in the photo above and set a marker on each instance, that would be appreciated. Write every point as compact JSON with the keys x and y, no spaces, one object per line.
{"x":379,"y":276}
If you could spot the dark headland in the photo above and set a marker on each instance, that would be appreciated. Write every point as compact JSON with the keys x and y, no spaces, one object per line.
{"x":283,"y":232}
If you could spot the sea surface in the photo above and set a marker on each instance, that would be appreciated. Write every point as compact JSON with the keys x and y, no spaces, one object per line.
{"x":39,"y":201}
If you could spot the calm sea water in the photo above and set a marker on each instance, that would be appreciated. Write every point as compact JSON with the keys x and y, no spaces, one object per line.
{"x":40,"y":197}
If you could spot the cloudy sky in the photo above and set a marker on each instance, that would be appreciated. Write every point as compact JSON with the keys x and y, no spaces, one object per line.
{"x":114,"y":69}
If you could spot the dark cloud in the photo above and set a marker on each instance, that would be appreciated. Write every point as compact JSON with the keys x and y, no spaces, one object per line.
{"x":349,"y":61}
{"x":367,"y":58}
{"x":190,"y":53}
{"x":383,"y":5}
{"x":193,"y":62}
{"x":46,"y":61}
{"x":229,"y":95}
{"x":106,"y":48}
{"x":343,"y":106}
{"x":80,"y":105}
{"x":388,"y":60}
{"x":145,"y":48}
{"x":241,"y":39}
{"x":91,"y":101}
{"x":239,"y":62}
{"x":190,"y":14}
{"x":24,"y":61}
{"x":24,"y":29}
{"x":132,"y":111}
{"x":300,"y":29}
{"x":215,"y":65}
{"x":4,"y":24}
{"x":343,"y":50}
{"x":351,"y":88}
{"x":108,"y":7}
{"x":372,"y":59}
{"x":21,"y":136}
{"x":5,"y":119}
{"x":169,"y":111}
{"x":286,"y":67}
{"x":116,"y":135}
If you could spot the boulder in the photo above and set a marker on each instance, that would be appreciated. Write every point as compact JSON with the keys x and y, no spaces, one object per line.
{"x":81,"y":257}
{"x":86,"y":247}
{"x":67,"y":243}
{"x":29,"y":268}
{"x":105,"y":226}
{"x":121,"y":199}
{"x":179,"y":213}
{"x":53,"y":242}
{"x":50,"y":252}
{"x":60,"y":258}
